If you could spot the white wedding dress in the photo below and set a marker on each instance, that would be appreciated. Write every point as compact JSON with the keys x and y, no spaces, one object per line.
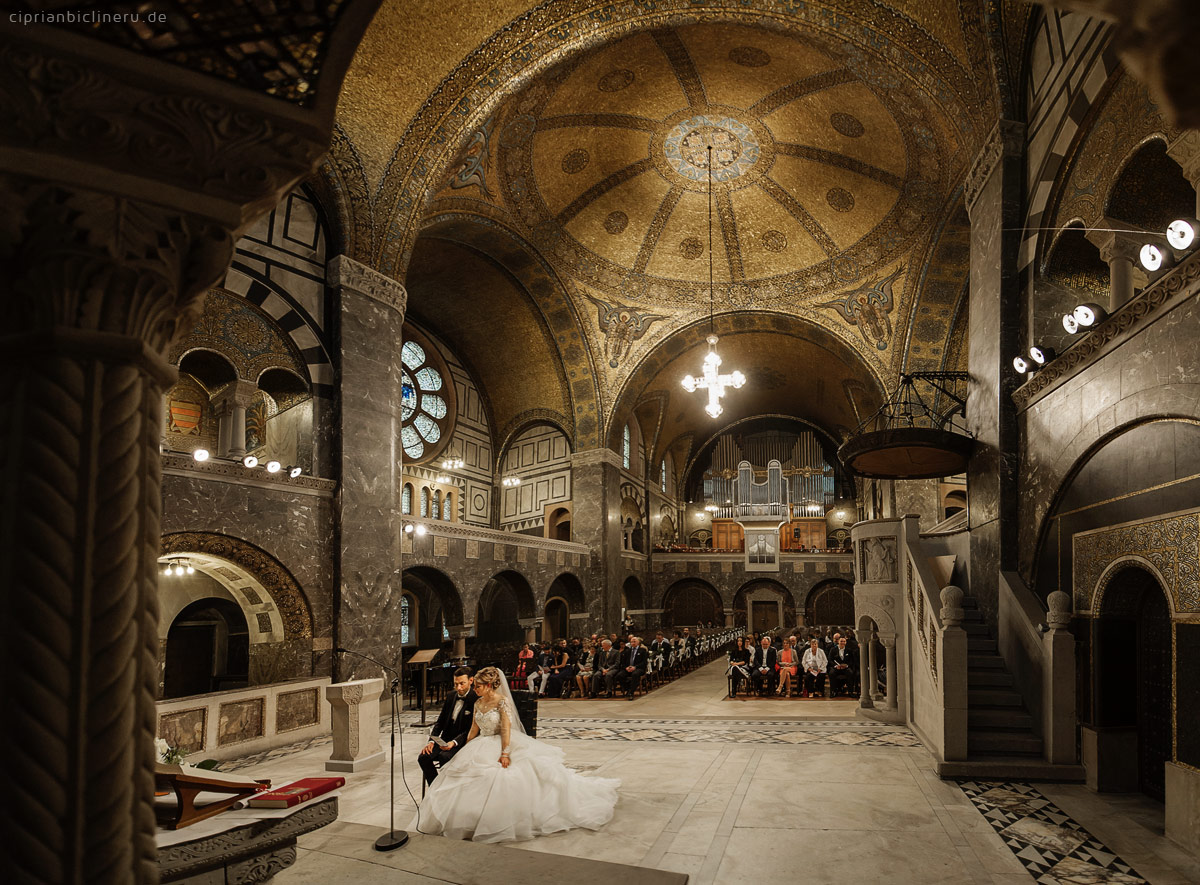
{"x":474,"y":797}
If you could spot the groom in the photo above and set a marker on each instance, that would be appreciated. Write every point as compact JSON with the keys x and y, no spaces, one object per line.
{"x":452,"y":726}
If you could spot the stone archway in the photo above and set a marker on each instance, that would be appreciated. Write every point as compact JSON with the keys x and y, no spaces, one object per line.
{"x":830,"y":603}
{"x":691,"y":602}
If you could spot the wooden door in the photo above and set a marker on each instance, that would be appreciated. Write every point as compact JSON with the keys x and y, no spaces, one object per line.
{"x":764,"y":616}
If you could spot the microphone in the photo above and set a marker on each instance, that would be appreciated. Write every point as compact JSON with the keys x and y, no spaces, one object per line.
{"x":346,"y":651}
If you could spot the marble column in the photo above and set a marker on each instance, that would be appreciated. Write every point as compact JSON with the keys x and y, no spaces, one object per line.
{"x":458,"y":635}
{"x":1185,"y":150}
{"x":1119,"y":250}
{"x":596,"y":493}
{"x":865,"y":699}
{"x":873,"y":670}
{"x":889,"y":646}
{"x":370,"y":310}
{"x":95,"y":289}
{"x":531,"y":626}
{"x":231,"y":404}
{"x":994,"y":197}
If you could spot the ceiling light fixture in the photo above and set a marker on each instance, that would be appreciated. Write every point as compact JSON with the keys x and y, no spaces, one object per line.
{"x":511,"y":481}
{"x":452,"y":463}
{"x":712,"y":380}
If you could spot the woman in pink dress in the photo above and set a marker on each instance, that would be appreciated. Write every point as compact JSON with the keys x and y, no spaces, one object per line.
{"x":788,"y":667}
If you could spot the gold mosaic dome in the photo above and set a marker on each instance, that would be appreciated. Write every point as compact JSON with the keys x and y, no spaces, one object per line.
{"x":824,"y":166}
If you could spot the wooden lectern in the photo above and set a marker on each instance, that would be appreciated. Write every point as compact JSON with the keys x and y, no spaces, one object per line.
{"x":188,"y":785}
{"x":423,"y":658}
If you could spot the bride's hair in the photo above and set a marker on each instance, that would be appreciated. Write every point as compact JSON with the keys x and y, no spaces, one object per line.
{"x":489,"y":676}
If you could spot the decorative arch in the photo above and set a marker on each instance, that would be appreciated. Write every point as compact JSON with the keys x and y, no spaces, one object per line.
{"x":432,"y":585}
{"x":285,"y":592}
{"x":568,"y":587}
{"x":689,"y":601}
{"x":830,"y":603}
{"x":756,"y":590}
{"x":1097,"y":598}
{"x":631,"y":594}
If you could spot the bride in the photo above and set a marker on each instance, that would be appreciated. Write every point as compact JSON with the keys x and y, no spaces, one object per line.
{"x":505,"y":786}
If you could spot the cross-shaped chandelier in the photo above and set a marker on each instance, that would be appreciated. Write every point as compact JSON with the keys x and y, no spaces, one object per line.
{"x":712,"y":380}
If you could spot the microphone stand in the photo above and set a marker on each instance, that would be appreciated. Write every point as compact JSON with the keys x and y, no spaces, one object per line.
{"x":394,"y":838}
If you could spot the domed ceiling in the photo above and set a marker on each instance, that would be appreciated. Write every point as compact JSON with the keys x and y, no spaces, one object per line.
{"x":822,"y":171}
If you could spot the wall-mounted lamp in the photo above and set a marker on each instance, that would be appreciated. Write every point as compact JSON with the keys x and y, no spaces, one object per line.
{"x":200,"y":455}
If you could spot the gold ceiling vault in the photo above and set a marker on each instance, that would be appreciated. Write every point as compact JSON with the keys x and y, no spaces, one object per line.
{"x":841,"y":132}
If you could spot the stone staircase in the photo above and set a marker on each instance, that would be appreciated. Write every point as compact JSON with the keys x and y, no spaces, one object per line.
{"x":1001,"y":739}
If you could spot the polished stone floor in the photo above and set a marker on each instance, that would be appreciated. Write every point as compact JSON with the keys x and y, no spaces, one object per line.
{"x":772,"y":791}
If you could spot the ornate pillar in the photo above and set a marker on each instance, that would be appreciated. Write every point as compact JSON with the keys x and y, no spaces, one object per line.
{"x":865,"y":656}
{"x":459,"y":634}
{"x":531,"y":629}
{"x":231,"y":404}
{"x":994,"y":198}
{"x":96,"y":286}
{"x":1119,"y":250}
{"x":873,"y":669}
{"x":370,"y":309}
{"x":889,"y":646}
{"x":596,"y":514}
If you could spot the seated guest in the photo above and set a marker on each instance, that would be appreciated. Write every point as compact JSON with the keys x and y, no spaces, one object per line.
{"x":634,"y":660}
{"x":660,"y":650}
{"x":605,"y":668}
{"x":585,"y":668}
{"x":739,"y":666}
{"x":540,"y":671}
{"x":841,"y":669}
{"x":521,"y":673}
{"x":560,"y":671}
{"x":764,"y":665}
{"x":814,"y":664}
{"x":453,"y":726}
{"x":789,"y":667}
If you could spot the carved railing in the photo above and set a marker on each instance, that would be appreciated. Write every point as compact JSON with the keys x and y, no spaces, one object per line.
{"x":439,"y":528}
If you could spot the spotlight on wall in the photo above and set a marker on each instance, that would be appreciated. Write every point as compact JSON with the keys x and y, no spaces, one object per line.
{"x":1154,"y":258}
{"x":1041,"y":355}
{"x":1021,"y":364}
{"x":250,"y":461}
{"x":421,"y":530}
{"x":1089,"y":314}
{"x":293,"y":472}
{"x":408,"y":528}
{"x":200,"y":454}
{"x":274,"y":467}
{"x":1182,"y":233}
{"x":190,"y":570}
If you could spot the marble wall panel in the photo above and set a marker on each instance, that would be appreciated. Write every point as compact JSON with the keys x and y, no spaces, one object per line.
{"x":296,"y":709}
{"x":184,"y":729}
{"x":240,"y":721}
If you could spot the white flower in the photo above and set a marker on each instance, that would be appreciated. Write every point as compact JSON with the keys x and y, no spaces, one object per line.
{"x":162,"y":749}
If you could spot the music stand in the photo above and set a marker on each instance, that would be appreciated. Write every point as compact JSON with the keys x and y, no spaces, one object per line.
{"x":423,"y":657}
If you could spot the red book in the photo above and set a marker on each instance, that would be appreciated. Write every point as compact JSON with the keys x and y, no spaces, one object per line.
{"x":295,"y":793}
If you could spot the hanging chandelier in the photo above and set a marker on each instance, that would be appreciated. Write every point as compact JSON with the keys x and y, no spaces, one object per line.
{"x":712,"y":380}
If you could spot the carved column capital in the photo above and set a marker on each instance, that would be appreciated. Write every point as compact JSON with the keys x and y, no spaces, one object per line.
{"x":97,"y":263}
{"x":1184,"y":149}
{"x":343,"y":272}
{"x":238,"y":393}
{"x":1007,"y":139}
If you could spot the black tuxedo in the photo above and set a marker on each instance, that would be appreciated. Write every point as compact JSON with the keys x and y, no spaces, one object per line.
{"x":449,"y":728}
{"x":637,"y":658}
{"x":842,"y":679}
{"x":768,"y":659}
{"x":605,"y":660}
{"x":663,"y":648}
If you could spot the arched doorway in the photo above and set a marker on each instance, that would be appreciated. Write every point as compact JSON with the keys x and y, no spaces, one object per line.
{"x":558,"y":524}
{"x":631,"y":595}
{"x":208,"y":649}
{"x":764,"y":605}
{"x":691,"y":602}
{"x":439,"y":604}
{"x":1131,"y":676}
{"x":555,"y":624}
{"x":830,"y":604}
{"x":506,"y":599}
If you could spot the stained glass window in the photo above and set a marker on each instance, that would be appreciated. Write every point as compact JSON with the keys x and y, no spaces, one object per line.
{"x":449,"y":508}
{"x":405,"y":616}
{"x":406,"y":500}
{"x":437,"y":504}
{"x":424,"y":413}
{"x":625,"y":447}
{"x":664,"y":476}
{"x":425,"y":502}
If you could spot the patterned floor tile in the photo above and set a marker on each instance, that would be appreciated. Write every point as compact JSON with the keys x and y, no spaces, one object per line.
{"x":1052,"y":846}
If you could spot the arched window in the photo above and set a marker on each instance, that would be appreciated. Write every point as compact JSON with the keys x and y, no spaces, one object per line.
{"x":406,"y":500}
{"x":405,"y":619}
{"x":626,"y":445}
{"x":664,"y":476}
{"x":437,"y":504}
{"x":448,"y":509}
{"x":425,"y":501}
{"x":424,"y":412}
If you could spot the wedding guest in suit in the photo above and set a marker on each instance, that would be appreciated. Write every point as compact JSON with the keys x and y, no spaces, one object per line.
{"x":763,"y":666}
{"x":842,"y":665}
{"x":814,"y":664}
{"x":789,"y":667}
{"x":634,"y":661}
{"x":605,"y":669}
{"x":739,"y":666}
{"x":453,"y":726}
{"x":585,"y":668}
{"x":541,"y":669}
